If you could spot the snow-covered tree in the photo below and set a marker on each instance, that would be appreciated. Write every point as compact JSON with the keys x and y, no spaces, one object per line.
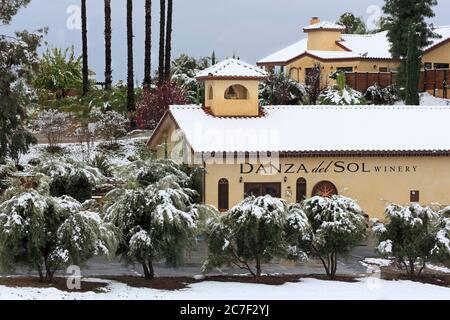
{"x":279,"y":89}
{"x":337,"y":225}
{"x":413,"y":235}
{"x":441,"y":250}
{"x":46,"y":233}
{"x":53,"y":125}
{"x":252,"y":232}
{"x":111,"y":126}
{"x":155,"y":223}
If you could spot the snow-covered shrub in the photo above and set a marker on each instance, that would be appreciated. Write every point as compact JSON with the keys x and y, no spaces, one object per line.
{"x":279,"y":89}
{"x":441,"y":250}
{"x":341,"y":97}
{"x":53,"y":125}
{"x":252,"y":232}
{"x":155,"y":223}
{"x":381,"y":96}
{"x":337,"y":225}
{"x":47,"y":234}
{"x":112,"y":126}
{"x":68,"y":177}
{"x":413,"y":235}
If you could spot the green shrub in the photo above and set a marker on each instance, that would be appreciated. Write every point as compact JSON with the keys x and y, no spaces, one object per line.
{"x":79,"y":187}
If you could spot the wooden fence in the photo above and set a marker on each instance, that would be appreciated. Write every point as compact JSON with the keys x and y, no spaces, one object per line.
{"x":436,"y":82}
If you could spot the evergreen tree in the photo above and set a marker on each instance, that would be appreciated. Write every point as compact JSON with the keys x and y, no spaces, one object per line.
{"x":84,"y":41}
{"x":148,"y":44}
{"x":413,"y":64}
{"x":18,"y":61}
{"x":409,"y":33}
{"x":108,"y":58}
{"x":157,"y":222}
{"x":352,"y":24}
{"x":213,"y":58}
{"x":168,"y":50}
{"x":254,"y":232}
{"x":337,"y":225}
{"x":162,"y":26}
{"x":414,"y":235}
{"x":46,"y":234}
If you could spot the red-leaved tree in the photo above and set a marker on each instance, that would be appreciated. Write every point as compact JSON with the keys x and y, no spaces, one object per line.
{"x":156,"y":101}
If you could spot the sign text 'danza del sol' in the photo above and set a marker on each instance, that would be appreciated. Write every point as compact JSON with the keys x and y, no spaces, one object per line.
{"x":324,"y":167}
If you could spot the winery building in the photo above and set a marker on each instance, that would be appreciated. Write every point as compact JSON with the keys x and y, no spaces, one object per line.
{"x":375,"y":154}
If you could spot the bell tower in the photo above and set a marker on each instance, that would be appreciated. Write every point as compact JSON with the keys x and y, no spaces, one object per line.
{"x":232,"y":88}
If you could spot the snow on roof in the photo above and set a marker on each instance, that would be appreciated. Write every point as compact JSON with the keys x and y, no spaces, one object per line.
{"x":444,"y":32}
{"x":288,"y":53}
{"x":318,"y":129}
{"x":232,"y":68}
{"x":324,"y":25}
{"x":374,"y":46}
{"x":369,"y":46}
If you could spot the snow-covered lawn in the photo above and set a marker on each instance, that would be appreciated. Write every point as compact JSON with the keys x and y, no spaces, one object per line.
{"x":371,"y":288}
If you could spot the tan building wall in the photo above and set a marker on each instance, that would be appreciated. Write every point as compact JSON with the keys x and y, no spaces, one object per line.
{"x":439,"y":55}
{"x":324,"y":40}
{"x":297,"y":69}
{"x":215,"y":98}
{"x":374,"y":182}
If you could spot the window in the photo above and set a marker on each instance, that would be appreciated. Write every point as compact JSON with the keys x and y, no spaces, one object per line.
{"x":223,"y":195}
{"x":383,"y":69}
{"x":210,"y":93}
{"x":262,"y":189}
{"x":236,"y":92}
{"x":414,"y":196}
{"x":441,"y":66}
{"x":324,"y":189}
{"x":301,"y":190}
{"x":428,"y":66}
{"x":345,"y":69}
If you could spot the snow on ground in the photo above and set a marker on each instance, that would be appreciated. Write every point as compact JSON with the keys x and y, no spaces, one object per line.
{"x":78,"y":152}
{"x":427,"y":99}
{"x":438,"y":268}
{"x":377,"y":262}
{"x":371,"y":288}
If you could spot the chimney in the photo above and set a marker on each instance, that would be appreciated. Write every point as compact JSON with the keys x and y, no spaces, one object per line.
{"x":314,"y":20}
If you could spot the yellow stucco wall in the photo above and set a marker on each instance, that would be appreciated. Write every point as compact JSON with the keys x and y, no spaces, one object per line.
{"x":324,"y":40}
{"x":297,"y":69}
{"x":223,"y":107}
{"x":373,"y":190}
{"x":438,"y":55}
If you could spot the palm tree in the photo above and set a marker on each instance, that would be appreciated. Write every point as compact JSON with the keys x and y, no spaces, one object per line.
{"x":130,"y":77}
{"x":168,"y":40}
{"x":148,"y":43}
{"x":162,"y":25}
{"x":108,"y":32}
{"x":85,"y":48}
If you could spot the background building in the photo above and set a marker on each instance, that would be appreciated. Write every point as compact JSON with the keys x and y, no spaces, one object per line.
{"x":327,"y":45}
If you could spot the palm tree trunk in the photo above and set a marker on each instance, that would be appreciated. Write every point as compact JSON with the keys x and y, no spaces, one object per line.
{"x":168,"y":57}
{"x":148,"y":43}
{"x":162,"y":24}
{"x":85,"y":48}
{"x":108,"y":32}
{"x":130,"y":77}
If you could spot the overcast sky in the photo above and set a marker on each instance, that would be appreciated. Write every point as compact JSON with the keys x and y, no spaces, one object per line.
{"x":250,"y":28}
